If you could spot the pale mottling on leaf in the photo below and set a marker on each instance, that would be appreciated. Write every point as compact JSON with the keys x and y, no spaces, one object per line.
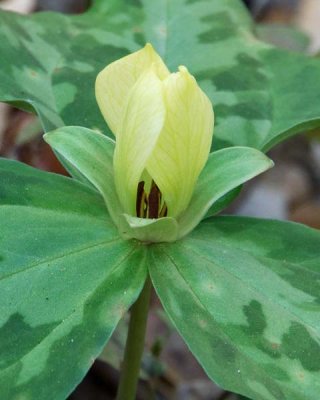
{"x":41,"y":352}
{"x":258,"y":387}
{"x":220,"y":97}
{"x":19,"y":71}
{"x":49,"y":53}
{"x":118,"y":308}
{"x":36,"y":83}
{"x":212,"y":288}
{"x":262,"y":125}
{"x":112,"y":39}
{"x":120,"y":19}
{"x":22,"y":397}
{"x":175,"y":306}
{"x":64,"y":93}
{"x":203,"y":323}
{"x":10,"y":35}
{"x":297,"y":372}
{"x":82,"y":67}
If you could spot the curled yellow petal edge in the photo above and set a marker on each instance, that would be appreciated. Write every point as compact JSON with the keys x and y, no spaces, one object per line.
{"x":184,"y":142}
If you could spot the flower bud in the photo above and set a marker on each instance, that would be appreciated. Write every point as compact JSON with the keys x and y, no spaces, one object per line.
{"x":163,"y":124}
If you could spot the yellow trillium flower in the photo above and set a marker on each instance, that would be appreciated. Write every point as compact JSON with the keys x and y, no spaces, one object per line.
{"x":163,"y":124}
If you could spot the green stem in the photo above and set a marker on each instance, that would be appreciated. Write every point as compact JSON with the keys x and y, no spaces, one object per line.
{"x":135,"y":345}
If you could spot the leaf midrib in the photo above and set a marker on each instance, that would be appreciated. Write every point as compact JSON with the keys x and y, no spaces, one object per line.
{"x":59,"y":211}
{"x":61,"y":257}
{"x":221,"y":333}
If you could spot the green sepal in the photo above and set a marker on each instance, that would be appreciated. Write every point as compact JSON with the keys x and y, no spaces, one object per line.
{"x":225,"y":170}
{"x":88,"y":155}
{"x":150,"y":230}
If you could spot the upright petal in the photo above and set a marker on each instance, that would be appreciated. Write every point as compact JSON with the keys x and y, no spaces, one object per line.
{"x":114,"y":83}
{"x":184,"y":143}
{"x":142,"y":122}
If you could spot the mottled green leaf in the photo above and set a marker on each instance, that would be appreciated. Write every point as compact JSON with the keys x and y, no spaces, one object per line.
{"x":245,"y":295}
{"x":51,"y":61}
{"x":64,"y":274}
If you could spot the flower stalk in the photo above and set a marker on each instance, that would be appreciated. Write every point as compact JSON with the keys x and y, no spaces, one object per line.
{"x":134,"y":346}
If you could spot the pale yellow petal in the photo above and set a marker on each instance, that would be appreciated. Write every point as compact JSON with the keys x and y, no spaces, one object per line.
{"x":113,"y":83}
{"x":139,"y":130}
{"x":185,"y":141}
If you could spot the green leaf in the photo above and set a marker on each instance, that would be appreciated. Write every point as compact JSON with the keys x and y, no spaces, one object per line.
{"x":89,"y":155}
{"x":51,"y":61}
{"x":225,"y":170}
{"x":64,"y":274}
{"x":245,"y":296}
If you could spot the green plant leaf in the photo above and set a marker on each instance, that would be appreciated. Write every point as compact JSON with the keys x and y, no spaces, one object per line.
{"x":64,"y":274}
{"x":88,"y":154}
{"x":245,"y":296}
{"x":225,"y":170}
{"x":51,"y":61}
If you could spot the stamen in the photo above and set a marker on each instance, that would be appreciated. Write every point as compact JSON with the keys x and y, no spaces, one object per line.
{"x":163,"y":211}
{"x":148,"y":205}
{"x":144,"y":206}
{"x":140,"y":199}
{"x":153,"y":201}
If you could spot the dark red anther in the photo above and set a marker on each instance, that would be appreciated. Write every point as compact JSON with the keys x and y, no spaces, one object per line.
{"x":140,"y":199}
{"x":148,"y":205}
{"x":154,"y":201}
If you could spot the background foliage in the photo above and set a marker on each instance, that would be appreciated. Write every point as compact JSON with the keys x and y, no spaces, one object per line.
{"x":52,"y":61}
